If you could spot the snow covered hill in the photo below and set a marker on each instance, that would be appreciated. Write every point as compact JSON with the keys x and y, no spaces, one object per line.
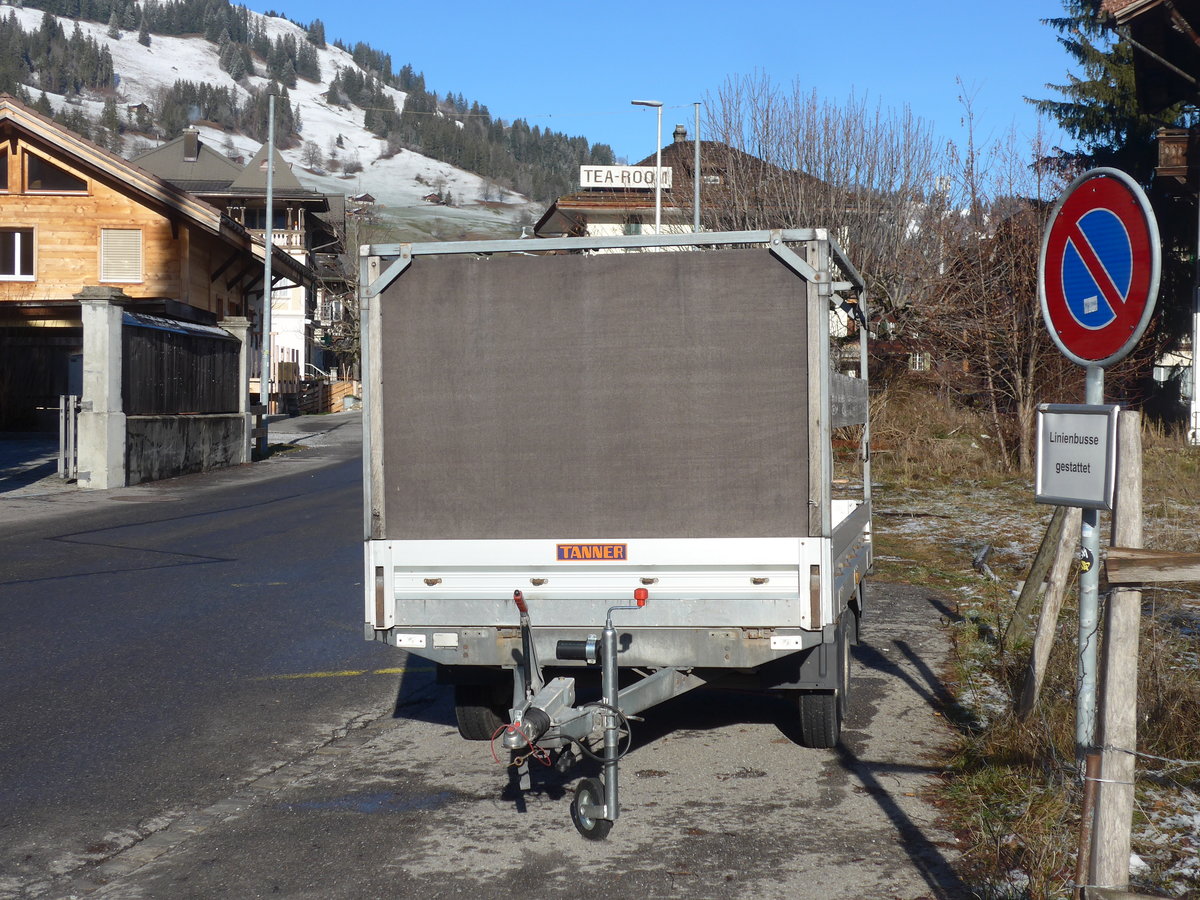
{"x":398,"y":184}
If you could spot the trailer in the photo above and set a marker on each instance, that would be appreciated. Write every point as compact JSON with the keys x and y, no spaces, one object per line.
{"x":640,"y":458}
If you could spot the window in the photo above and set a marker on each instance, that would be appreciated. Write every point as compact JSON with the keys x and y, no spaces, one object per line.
{"x":16,"y":254}
{"x":3,"y":170}
{"x":120,"y":254}
{"x":43,"y":175}
{"x":920,"y":362}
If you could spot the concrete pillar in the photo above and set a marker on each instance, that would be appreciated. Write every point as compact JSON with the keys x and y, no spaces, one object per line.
{"x":239,"y":327}
{"x":101,"y":421}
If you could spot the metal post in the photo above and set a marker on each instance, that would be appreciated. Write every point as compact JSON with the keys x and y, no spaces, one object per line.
{"x":657,"y":104}
{"x":269,"y":239}
{"x":63,"y":399}
{"x":1194,"y":400}
{"x":611,"y":693}
{"x":696,"y":173}
{"x":1089,"y":603}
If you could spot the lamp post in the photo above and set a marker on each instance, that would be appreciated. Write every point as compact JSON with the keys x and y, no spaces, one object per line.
{"x":657,"y":104}
{"x":264,"y":381}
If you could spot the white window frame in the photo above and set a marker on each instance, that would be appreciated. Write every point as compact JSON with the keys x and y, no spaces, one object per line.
{"x":121,"y":255}
{"x":920,"y":361}
{"x":18,"y":233}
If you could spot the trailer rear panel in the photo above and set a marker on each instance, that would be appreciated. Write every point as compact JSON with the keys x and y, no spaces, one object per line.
{"x":653,"y":395}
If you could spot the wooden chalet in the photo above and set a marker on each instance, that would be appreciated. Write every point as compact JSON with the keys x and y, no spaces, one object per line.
{"x":307,"y":224}
{"x":83,"y":229}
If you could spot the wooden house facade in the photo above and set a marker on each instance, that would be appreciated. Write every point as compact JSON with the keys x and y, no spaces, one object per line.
{"x":80,"y":226}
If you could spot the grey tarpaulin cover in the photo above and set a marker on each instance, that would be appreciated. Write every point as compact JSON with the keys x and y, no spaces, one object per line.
{"x":649,"y":395}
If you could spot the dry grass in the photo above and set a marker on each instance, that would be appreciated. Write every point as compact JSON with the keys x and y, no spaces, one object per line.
{"x":1012,"y":790}
{"x":918,"y":434}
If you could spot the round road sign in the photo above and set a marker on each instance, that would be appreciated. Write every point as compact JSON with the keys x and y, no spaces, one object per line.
{"x":1099,"y":268}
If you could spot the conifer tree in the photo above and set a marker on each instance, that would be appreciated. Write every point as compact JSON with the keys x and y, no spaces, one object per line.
{"x":316,"y":34}
{"x":1099,"y":107}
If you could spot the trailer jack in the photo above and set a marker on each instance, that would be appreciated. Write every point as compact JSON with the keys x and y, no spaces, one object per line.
{"x":548,"y":716}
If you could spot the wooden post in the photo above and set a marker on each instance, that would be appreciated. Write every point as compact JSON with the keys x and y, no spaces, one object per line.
{"x":1091,"y":771}
{"x":1056,"y":589}
{"x":1033,"y":581}
{"x":1118,"y":703}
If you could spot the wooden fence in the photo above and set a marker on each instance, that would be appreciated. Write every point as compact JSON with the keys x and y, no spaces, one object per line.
{"x":168,"y":370}
{"x":324,"y":397}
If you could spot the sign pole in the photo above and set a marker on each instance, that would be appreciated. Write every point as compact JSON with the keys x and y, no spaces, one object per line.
{"x":1098,"y":279}
{"x":1089,"y":603}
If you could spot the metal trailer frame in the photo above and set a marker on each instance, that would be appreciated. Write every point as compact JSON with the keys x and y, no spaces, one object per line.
{"x":811,"y":659}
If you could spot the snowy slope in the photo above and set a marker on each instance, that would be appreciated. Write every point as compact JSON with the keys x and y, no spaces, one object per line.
{"x":398,"y":184}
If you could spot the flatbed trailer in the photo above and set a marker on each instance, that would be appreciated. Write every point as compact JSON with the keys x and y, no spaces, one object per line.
{"x":645,"y":455}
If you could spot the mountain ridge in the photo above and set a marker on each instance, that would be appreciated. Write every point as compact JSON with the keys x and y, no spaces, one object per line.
{"x":335,"y":149}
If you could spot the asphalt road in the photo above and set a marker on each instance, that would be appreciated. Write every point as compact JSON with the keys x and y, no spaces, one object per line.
{"x":155,"y":742}
{"x":145,"y":639}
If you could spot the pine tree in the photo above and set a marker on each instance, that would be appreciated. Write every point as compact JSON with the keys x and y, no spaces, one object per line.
{"x":237,"y":64}
{"x":316,"y":33}
{"x":109,"y":117}
{"x":114,"y":26}
{"x":1099,"y":108}
{"x":144,"y":33}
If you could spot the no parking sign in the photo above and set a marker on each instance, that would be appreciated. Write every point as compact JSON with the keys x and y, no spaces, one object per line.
{"x":1099,"y":268}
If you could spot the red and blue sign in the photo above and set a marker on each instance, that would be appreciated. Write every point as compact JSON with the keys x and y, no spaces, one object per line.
{"x":1099,"y":269}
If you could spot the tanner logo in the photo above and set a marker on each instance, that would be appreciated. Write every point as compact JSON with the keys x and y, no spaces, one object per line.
{"x":592,"y":551}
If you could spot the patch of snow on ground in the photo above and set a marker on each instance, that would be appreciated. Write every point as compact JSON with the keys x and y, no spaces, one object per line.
{"x":1172,"y":829}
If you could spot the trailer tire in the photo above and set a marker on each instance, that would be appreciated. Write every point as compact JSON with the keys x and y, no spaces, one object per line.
{"x":590,"y":791}
{"x":822,"y":712}
{"x":477,"y":711}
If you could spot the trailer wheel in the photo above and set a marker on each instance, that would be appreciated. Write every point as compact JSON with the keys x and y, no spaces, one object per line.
{"x":590,"y":792}
{"x":478,"y":713}
{"x":822,"y":712}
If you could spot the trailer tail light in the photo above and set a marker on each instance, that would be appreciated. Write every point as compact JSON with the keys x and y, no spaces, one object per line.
{"x":640,"y":596}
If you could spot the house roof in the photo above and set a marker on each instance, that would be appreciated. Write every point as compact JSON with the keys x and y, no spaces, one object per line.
{"x":146,"y":187}
{"x":253,"y":178}
{"x":190,"y":163}
{"x":568,"y":214}
{"x":1165,"y":35}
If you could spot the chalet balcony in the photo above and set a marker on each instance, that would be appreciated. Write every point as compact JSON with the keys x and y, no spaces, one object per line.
{"x":285,"y":239}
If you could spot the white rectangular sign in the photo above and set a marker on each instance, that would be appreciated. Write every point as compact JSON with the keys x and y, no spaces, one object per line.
{"x":1076,"y":455}
{"x":627,"y":177}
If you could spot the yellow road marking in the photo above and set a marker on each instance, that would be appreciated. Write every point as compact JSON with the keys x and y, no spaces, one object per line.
{"x":351,"y":673}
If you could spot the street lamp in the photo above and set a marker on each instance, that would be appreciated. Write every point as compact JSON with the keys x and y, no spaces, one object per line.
{"x":264,"y":381}
{"x":657,"y":104}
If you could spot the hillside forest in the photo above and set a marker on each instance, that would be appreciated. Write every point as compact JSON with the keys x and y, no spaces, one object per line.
{"x":541,"y":164}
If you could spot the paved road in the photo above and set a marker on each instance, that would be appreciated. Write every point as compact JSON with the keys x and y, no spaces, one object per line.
{"x":151,"y":749}
{"x":144,"y":633}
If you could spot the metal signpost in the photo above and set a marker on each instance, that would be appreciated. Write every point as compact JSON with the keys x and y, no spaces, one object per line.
{"x":1097,"y":281}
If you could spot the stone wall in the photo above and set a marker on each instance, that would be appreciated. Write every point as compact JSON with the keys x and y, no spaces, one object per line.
{"x":164,"y":446}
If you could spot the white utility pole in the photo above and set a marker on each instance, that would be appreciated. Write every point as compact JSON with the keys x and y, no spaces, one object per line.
{"x":264,"y":381}
{"x":656,"y":104}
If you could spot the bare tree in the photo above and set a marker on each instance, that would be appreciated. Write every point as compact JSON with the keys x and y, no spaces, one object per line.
{"x":358,"y":229}
{"x":983,"y":313}
{"x":310,"y":155}
{"x":795,"y":160}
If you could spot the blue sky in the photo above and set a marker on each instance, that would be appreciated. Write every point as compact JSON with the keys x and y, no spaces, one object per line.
{"x":574,"y":67}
